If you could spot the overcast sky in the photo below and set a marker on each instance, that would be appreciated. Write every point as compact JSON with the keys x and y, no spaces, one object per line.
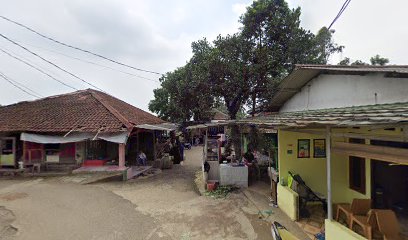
{"x":156,"y":35}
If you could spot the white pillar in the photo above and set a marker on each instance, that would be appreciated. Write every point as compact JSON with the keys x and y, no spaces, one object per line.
{"x":121,"y":155}
{"x":328,"y":169}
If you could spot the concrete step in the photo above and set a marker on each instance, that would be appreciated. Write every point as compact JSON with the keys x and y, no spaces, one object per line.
{"x":57,"y":167}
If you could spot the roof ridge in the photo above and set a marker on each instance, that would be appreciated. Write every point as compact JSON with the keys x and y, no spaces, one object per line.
{"x":111,"y":109}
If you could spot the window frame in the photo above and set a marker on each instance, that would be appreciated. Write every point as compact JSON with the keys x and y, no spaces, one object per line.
{"x":361,"y":189}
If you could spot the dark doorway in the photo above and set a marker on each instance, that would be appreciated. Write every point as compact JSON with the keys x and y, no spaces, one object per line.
{"x":146,"y":144}
{"x":390,"y":186}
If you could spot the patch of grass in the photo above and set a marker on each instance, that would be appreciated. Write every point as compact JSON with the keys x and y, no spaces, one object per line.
{"x":221,"y":191}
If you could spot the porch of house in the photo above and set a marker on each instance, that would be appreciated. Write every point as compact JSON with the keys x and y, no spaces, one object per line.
{"x":354,"y":174}
{"x":45,"y":154}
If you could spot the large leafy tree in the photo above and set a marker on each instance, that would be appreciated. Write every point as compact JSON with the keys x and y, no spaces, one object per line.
{"x":280,"y":43}
{"x":181,"y":97}
{"x":243,"y":68}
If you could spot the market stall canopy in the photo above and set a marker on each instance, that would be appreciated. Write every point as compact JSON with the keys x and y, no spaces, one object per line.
{"x":119,"y":137}
{"x":160,"y":127}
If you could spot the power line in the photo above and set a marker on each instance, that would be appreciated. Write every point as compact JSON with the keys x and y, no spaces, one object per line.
{"x":36,"y":68}
{"x":53,"y":64}
{"x":77,"y":48}
{"x":345,"y":4}
{"x":15,"y":84}
{"x":90,"y":62}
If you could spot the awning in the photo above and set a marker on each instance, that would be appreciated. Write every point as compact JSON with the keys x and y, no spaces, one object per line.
{"x":159,"y":127}
{"x":120,"y":137}
{"x":212,"y":124}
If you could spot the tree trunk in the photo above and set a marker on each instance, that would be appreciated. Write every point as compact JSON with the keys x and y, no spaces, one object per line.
{"x":236,"y":140}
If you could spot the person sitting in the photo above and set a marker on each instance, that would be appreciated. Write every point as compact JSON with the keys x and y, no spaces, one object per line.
{"x":249,"y":158}
{"x":141,"y":158}
{"x":250,"y":162}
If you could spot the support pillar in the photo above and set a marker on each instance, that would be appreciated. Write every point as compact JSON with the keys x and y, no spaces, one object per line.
{"x":154,"y":146}
{"x":328,"y":169}
{"x":122,"y":155}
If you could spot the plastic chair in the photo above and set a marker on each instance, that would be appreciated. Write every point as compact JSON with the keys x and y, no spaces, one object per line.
{"x":367,"y":223}
{"x":388,"y":224}
{"x":357,"y":207}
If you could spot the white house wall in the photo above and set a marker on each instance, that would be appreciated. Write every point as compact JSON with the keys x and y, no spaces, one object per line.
{"x":330,"y":91}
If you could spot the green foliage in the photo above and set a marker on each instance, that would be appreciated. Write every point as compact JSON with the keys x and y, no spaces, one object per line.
{"x":358,"y":62}
{"x":345,"y":61}
{"x":278,"y":43}
{"x":377,"y":60}
{"x":221,"y":191}
{"x":244,"y":68}
{"x":181,"y":97}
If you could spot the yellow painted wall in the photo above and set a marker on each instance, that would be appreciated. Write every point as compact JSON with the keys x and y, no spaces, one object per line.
{"x":313,"y":170}
{"x":336,"y":231}
{"x":288,"y":201}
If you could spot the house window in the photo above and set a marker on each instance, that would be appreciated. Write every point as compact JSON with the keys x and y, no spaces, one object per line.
{"x":357,"y":174}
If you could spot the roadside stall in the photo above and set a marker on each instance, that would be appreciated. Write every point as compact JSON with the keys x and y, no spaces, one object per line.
{"x":221,"y":164}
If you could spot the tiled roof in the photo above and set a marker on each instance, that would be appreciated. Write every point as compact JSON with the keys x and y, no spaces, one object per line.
{"x":380,"y":114}
{"x":218,"y":115}
{"x":82,"y":111}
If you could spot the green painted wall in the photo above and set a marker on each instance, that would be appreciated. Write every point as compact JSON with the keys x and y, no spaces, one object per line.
{"x":7,"y":160}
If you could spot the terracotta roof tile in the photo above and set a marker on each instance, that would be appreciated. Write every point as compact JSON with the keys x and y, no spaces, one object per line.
{"x":86,"y":110}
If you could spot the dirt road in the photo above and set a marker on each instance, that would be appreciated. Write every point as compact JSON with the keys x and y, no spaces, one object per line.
{"x":165,"y":206}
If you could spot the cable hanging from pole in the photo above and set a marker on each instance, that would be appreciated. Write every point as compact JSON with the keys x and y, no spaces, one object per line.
{"x":21,"y":87}
{"x":90,"y":62}
{"x":53,"y":64}
{"x":345,"y":4}
{"x":77,"y":48}
{"x":38,"y":69}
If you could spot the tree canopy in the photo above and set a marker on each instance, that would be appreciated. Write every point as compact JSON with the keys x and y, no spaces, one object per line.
{"x":242,"y":69}
{"x":376,"y":60}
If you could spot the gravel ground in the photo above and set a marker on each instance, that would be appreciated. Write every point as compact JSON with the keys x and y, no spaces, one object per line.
{"x":163,"y":206}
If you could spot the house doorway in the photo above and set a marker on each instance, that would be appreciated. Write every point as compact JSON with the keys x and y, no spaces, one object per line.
{"x":390,"y":189}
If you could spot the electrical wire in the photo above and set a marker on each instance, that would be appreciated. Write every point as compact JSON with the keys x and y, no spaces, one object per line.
{"x":345,"y":4}
{"x":53,"y":64}
{"x":36,"y":68}
{"x":77,"y":48}
{"x":21,"y":87}
{"x":90,"y":62}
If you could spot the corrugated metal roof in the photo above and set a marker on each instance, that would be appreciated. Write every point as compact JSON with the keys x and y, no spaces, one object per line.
{"x":380,"y":114}
{"x":305,"y":73}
